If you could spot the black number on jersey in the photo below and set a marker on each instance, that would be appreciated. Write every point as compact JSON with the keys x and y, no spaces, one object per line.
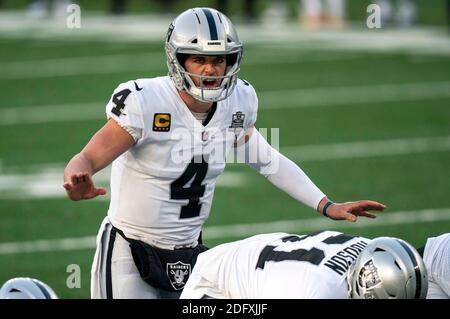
{"x":313,"y":255}
{"x":119,"y":100}
{"x":195,"y":172}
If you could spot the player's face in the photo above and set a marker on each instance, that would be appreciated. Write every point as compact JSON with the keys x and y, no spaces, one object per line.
{"x":206,"y":65}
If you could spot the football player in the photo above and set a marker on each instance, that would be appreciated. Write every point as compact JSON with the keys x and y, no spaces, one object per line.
{"x":321,"y":265}
{"x":436,"y":255}
{"x":167,"y":139}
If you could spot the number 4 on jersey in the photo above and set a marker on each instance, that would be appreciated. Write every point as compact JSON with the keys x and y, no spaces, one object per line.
{"x":119,"y":100}
{"x":195,"y":172}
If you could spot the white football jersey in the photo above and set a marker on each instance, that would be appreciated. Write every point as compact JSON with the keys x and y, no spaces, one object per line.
{"x":277,"y":265}
{"x":162,"y":188}
{"x":437,"y":260}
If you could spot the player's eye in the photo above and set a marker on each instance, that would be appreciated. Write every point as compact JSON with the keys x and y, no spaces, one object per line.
{"x":220,"y":60}
{"x":199,"y":60}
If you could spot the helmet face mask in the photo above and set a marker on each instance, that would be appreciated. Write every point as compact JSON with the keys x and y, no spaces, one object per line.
{"x":388,"y":268}
{"x":203,"y":31}
{"x":26,"y":288}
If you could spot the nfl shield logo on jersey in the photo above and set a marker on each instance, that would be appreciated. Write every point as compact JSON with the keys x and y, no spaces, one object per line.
{"x":237,"y":121}
{"x":237,"y":124}
{"x":178,"y":274}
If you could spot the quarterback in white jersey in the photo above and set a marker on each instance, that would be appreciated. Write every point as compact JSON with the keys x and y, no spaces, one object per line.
{"x":170,"y":143}
{"x":436,"y":255}
{"x":167,"y":139}
{"x":321,"y":265}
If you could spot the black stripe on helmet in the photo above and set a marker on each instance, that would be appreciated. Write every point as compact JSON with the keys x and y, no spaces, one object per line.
{"x":211,"y":24}
{"x":42,"y":289}
{"x":416,"y":269}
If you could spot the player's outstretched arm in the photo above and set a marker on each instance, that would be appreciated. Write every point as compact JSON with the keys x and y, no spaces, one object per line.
{"x":105,"y":146}
{"x":290,"y":178}
{"x":350,"y":210}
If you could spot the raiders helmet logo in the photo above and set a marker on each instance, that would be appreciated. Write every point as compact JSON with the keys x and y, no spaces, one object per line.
{"x":178,"y":274}
{"x":368,"y":278}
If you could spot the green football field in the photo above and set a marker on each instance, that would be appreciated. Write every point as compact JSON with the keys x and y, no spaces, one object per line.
{"x":365,"y":120}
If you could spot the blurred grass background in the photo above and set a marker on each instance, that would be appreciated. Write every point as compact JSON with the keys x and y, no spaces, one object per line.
{"x":429,"y":12}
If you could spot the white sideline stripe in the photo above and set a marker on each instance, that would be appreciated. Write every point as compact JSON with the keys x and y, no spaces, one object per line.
{"x":153,"y":27}
{"x":378,"y":148}
{"x":79,"y":243}
{"x":53,"y":113}
{"x":244,"y":230}
{"x":301,"y":225}
{"x":353,"y":95}
{"x":144,"y":62}
{"x":279,"y":99}
{"x":44,"y":181}
{"x":81,"y":65}
{"x":48,"y":183}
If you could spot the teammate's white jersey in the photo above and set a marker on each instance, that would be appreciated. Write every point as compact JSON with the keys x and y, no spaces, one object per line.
{"x":437,"y":260}
{"x":161,"y":188}
{"x":277,"y":265}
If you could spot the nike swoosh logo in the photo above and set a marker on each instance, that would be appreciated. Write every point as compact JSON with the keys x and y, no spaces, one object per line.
{"x":137,"y":87}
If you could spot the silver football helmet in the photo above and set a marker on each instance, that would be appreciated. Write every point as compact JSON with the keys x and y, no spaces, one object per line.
{"x":388,"y":268}
{"x":26,"y":288}
{"x":203,"y":31}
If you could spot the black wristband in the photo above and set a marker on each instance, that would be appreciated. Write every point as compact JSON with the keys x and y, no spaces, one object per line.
{"x":325,"y":207}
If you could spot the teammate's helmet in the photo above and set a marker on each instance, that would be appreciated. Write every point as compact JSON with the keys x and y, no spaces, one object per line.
{"x":26,"y":288}
{"x":203,"y":31}
{"x":388,"y":268}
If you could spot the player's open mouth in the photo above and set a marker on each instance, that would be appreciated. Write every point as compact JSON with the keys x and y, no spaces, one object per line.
{"x":210,"y":83}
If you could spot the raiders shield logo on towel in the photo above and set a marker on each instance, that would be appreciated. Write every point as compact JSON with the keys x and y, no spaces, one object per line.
{"x":178,"y":274}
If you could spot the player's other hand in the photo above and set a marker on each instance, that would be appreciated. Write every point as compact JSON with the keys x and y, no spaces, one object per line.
{"x":351,"y":210}
{"x":80,"y":186}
